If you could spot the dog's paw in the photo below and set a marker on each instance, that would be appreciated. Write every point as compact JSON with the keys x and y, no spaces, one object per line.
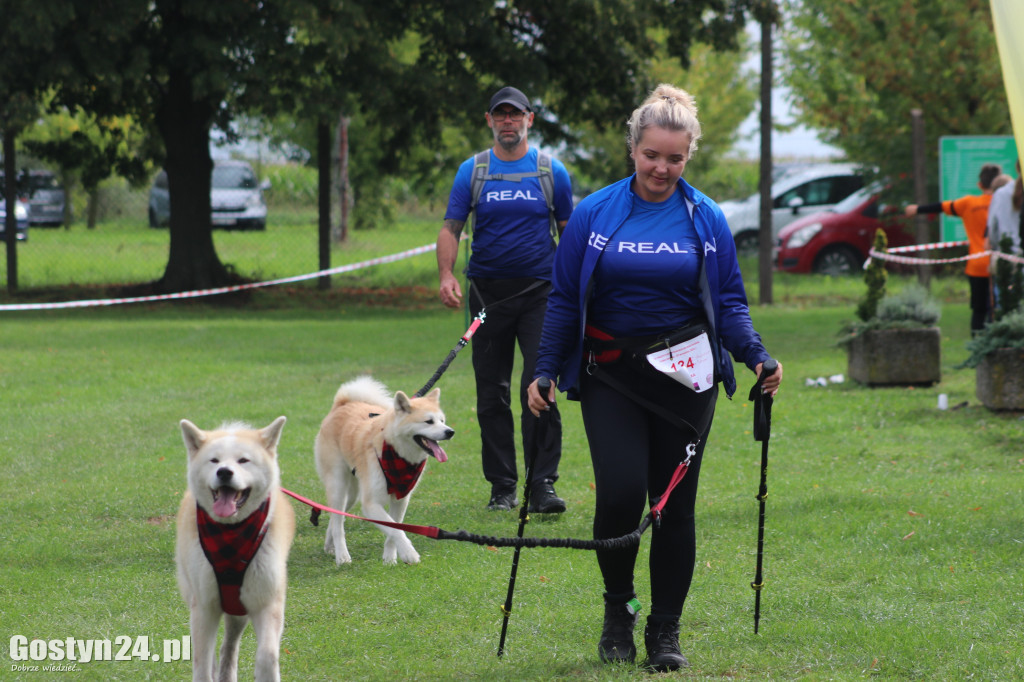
{"x":400,"y":549}
{"x":342,"y":557}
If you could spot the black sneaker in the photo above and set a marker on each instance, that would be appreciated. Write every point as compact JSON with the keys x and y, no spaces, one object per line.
{"x":543,"y":499}
{"x":662,"y":640}
{"x":503,"y":501}
{"x":616,"y":643}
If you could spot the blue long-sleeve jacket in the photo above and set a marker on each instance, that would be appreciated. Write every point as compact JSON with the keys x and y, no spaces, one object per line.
{"x":592,"y":224}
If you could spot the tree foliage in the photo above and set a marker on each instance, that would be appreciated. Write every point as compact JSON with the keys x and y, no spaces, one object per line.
{"x":87,"y":148}
{"x":857,"y":69}
{"x":725,"y":96}
{"x":410,"y":71}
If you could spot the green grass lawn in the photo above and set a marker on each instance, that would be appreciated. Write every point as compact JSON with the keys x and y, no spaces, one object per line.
{"x":894,"y":541}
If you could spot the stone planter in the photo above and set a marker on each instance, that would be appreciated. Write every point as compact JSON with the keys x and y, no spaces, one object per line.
{"x":895,"y":357}
{"x":1000,"y":379}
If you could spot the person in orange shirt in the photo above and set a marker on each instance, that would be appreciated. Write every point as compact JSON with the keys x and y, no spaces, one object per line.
{"x":973,"y":211}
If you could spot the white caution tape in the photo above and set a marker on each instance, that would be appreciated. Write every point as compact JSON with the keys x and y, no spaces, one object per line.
{"x":221,"y":290}
{"x":892,"y":255}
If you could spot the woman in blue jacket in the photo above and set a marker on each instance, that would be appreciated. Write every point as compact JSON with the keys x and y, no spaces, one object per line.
{"x":647,"y":261}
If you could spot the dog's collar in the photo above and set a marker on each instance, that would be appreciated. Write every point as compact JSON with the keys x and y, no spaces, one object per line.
{"x":229,"y":547}
{"x":400,"y":474}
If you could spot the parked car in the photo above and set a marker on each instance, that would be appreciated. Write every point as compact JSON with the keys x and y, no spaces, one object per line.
{"x":236,"y":198}
{"x":837,"y":241}
{"x":20,"y":214}
{"x":795,"y":194}
{"x":43,"y":195}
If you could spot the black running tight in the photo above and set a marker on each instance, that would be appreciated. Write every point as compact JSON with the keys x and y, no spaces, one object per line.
{"x":635,"y":453}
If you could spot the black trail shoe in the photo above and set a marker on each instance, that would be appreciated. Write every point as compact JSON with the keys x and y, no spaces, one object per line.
{"x":662,"y":640}
{"x":543,"y":499}
{"x":616,"y":643}
{"x":503,"y":501}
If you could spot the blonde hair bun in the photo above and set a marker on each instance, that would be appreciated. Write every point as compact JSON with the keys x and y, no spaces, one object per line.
{"x":666,"y":107}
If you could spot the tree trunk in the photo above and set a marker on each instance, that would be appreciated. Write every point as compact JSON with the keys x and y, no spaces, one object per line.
{"x":341,"y":234}
{"x":92,"y":208}
{"x":11,"y":197}
{"x":323,"y":163}
{"x":184,"y":123}
{"x":921,"y":229}
{"x":766,"y":240}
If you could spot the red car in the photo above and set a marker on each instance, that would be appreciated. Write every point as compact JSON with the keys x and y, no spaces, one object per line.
{"x":836,"y":242}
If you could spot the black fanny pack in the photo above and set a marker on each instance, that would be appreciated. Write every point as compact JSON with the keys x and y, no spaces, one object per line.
{"x":665,"y":340}
{"x":636,"y":348}
{"x":602,"y":349}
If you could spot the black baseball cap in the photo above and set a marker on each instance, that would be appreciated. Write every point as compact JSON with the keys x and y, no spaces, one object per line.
{"x":510,"y":95}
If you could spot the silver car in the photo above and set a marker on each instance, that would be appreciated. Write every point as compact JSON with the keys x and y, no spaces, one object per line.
{"x":21,"y":218}
{"x":797,"y":193}
{"x":43,"y":196}
{"x":46,"y":199}
{"x":236,"y":198}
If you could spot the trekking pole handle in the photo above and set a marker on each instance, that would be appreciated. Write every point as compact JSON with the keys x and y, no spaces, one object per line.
{"x":544,"y":387}
{"x":768,"y":368}
{"x":762,"y":401}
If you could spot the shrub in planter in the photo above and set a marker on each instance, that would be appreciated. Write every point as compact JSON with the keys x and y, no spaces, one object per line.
{"x":895,"y":342}
{"x":900,"y":345}
{"x":998,"y":354}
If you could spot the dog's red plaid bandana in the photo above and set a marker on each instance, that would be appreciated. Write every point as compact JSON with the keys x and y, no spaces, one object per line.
{"x":399,"y":473}
{"x":229,"y":547}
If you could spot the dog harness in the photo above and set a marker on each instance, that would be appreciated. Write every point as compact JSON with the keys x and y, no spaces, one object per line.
{"x":229,"y":547}
{"x":400,"y":474}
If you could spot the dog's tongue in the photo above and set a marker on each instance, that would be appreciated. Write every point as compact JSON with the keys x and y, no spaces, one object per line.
{"x":436,"y":450}
{"x":224,"y":506}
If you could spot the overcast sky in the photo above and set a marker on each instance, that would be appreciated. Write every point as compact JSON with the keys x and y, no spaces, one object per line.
{"x":800,"y":143}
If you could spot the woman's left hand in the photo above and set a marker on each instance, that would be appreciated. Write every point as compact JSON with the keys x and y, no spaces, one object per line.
{"x":771,"y":383}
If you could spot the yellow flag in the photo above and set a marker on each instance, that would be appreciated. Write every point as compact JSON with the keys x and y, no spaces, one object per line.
{"x":1008,"y":20}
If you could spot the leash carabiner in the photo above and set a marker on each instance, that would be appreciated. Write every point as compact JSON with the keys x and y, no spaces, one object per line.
{"x":691,"y":450}
{"x":659,"y":503}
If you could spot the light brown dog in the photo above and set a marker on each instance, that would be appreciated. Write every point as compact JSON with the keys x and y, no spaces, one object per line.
{"x":373,"y":447}
{"x":234,"y":518}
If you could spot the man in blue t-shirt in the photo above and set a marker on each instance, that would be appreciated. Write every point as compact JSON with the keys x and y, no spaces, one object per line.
{"x":510,"y":274}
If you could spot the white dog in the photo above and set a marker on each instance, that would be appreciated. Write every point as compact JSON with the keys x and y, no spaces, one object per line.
{"x":374,"y":447}
{"x":235,"y":529}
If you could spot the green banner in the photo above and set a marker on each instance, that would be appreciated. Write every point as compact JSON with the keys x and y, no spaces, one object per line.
{"x":960,"y":160}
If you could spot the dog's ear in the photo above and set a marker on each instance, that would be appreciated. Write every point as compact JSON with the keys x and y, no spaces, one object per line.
{"x":194,"y":437}
{"x":271,"y":435}
{"x":434,"y":395}
{"x":402,"y":403}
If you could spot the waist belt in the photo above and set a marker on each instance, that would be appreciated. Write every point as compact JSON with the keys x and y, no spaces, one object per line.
{"x":602,"y":348}
{"x":605,"y":348}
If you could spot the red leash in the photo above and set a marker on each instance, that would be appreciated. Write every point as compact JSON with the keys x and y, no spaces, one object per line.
{"x":428,"y":531}
{"x":436,"y":533}
{"x":677,"y":476}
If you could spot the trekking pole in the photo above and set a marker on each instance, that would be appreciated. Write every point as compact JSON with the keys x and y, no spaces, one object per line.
{"x":762,"y":432}
{"x":544,"y":386}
